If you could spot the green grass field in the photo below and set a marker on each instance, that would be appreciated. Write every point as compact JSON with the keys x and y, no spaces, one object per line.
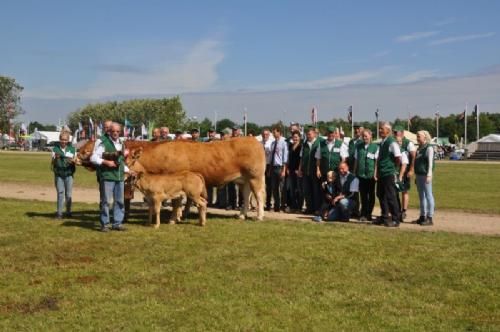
{"x":458,"y":186}
{"x":234,"y":275}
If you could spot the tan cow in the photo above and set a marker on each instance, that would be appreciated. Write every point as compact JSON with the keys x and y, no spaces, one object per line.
{"x":159,"y":187}
{"x":240,"y":160}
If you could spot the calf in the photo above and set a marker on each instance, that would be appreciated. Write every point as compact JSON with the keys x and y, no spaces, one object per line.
{"x":159,"y":187}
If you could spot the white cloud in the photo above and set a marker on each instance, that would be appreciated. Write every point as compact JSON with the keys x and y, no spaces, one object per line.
{"x":462,"y":38}
{"x":194,"y":71}
{"x":415,"y":36}
{"x":418,"y":75}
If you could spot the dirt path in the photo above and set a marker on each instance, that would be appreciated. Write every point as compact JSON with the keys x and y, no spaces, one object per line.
{"x":450,"y":221}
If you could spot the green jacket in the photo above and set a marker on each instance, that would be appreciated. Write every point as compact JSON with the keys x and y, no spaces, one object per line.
{"x":111,"y":174}
{"x":366,"y":160}
{"x":330,"y":159}
{"x":308,"y":161}
{"x":61,"y":166}
{"x":421,"y":161}
{"x":386,"y":165}
{"x":353,"y":144}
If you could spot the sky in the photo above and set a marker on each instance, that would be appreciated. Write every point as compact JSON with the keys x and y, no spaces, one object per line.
{"x":274,"y":59}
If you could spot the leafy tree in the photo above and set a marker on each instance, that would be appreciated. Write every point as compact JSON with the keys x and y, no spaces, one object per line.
{"x":10,"y":97}
{"x":224,"y":123}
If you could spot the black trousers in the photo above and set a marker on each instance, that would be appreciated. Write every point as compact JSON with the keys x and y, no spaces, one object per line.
{"x":312,"y":193}
{"x":367,"y":194}
{"x":294,"y":197}
{"x":234,"y":200}
{"x":269,"y":193}
{"x":387,"y":195}
{"x":276,"y":187}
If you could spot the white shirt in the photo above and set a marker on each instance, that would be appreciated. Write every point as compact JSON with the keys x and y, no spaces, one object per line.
{"x":343,"y":150}
{"x":404,"y":159}
{"x":393,"y":148}
{"x":66,"y":154}
{"x":96,"y":157}
{"x":354,"y":187}
{"x":267,"y":149}
{"x":430,"y":157}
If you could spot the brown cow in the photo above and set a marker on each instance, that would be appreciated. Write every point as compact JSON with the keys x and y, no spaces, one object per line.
{"x":240,"y":160}
{"x":159,"y":187}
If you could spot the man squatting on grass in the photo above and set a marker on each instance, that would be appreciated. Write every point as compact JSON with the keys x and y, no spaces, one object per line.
{"x":108,"y":157}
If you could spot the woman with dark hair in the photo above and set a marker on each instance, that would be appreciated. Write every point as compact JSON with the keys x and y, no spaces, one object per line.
{"x":294,"y":195}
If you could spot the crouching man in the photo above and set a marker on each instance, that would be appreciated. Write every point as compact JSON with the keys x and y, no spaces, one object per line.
{"x":343,"y":204}
{"x":108,"y":157}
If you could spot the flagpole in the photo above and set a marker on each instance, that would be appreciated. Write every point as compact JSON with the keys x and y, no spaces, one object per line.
{"x":245,"y":118}
{"x":477,"y":121}
{"x":352,"y":122}
{"x":215,"y":121}
{"x":437,"y":123}
{"x":376,"y":119}
{"x":465,"y":125}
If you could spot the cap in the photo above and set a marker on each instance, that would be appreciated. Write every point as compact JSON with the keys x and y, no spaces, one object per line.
{"x":195,"y":130}
{"x":235,"y":127}
{"x":356,"y":125}
{"x":211,"y":130}
{"x":178,"y":131}
{"x":330,"y":129}
{"x":398,"y":128}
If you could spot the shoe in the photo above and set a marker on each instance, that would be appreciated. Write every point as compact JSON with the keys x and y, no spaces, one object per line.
{"x":68,"y":215}
{"x":363,"y":219}
{"x":369,"y":218}
{"x":277,"y":210}
{"x":104,"y":229}
{"x":58,"y":216}
{"x":391,"y":224}
{"x":378,"y":221}
{"x":119,"y":228}
{"x":403,"y":215}
{"x":317,"y":219}
{"x":267,"y":208}
{"x":287,"y":210}
{"x":419,"y":220}
{"x":308,"y":212}
{"x":229,"y":207}
{"x":427,"y":222}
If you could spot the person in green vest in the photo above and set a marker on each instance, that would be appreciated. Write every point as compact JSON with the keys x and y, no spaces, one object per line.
{"x":424,"y":166}
{"x":307,"y":171}
{"x":330,"y":153}
{"x":109,"y":158}
{"x":389,"y":159}
{"x":356,"y":139}
{"x":63,"y":166}
{"x":366,"y":155}
{"x":343,"y":203}
{"x":409,"y":150}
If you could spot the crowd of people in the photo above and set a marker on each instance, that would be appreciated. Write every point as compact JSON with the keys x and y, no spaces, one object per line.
{"x":324,"y":177}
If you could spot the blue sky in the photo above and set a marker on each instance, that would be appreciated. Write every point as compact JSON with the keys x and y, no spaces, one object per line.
{"x":277,"y":59}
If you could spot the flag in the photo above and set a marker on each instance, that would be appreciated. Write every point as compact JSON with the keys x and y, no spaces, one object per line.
{"x":437,"y":115}
{"x":99,"y":130}
{"x":376,"y":113}
{"x":144,"y":131}
{"x":23,"y":128}
{"x":461,"y":116}
{"x":314,"y":115}
{"x":341,"y":132}
{"x":349,"y":114}
{"x":80,"y":127}
{"x":91,"y":129}
{"x":133,"y":132}
{"x":476,"y":112}
{"x":151,"y":125}
{"x":126,"y":127}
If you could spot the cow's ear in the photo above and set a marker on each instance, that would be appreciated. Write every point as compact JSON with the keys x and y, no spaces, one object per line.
{"x":137,"y":153}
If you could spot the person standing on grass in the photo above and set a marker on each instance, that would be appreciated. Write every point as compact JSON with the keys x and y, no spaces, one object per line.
{"x":330,"y":154}
{"x":424,"y":166}
{"x":293,"y":184}
{"x":410,"y":150}
{"x":365,"y":156}
{"x":307,"y":171}
{"x":63,"y":166}
{"x":389,"y":159}
{"x":277,"y":169}
{"x":109,"y":158}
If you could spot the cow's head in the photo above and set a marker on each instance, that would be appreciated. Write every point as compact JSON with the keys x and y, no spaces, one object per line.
{"x":132,"y":155}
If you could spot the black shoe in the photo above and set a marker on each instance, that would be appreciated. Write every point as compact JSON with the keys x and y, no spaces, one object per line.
{"x":68,"y":215}
{"x":363,"y":219}
{"x":419,"y":220}
{"x":369,"y":218}
{"x":403,"y":215}
{"x":378,"y":221}
{"x":427,"y":222}
{"x":58,"y":216}
{"x":104,"y":229}
{"x":119,"y":228}
{"x":229,"y":207}
{"x":391,"y":224}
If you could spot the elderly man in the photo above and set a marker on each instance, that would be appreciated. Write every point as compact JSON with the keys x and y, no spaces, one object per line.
{"x":108,"y":157}
{"x":366,"y":155}
{"x":164,"y":134}
{"x":330,"y":153}
{"x":389,"y":159}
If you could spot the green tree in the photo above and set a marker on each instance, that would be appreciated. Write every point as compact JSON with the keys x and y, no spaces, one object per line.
{"x":224,"y":123}
{"x":10,"y":97}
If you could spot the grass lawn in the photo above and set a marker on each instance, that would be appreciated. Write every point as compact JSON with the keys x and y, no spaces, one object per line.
{"x":460,"y":186}
{"x":234,"y":275}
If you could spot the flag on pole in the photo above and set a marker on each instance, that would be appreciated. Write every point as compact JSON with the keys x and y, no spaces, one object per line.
{"x":99,"y":130}
{"x":314,"y":115}
{"x":144,"y":131}
{"x":349,"y":114}
{"x":151,"y":125}
{"x":80,"y":127}
{"x":476,"y":112}
{"x":126,"y":127}
{"x":461,"y":116}
{"x":91,"y":129}
{"x":23,"y":128}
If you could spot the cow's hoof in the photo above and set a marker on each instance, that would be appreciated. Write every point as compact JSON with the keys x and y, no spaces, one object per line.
{"x":156,"y":226}
{"x":171,"y":222}
{"x":242,"y":217}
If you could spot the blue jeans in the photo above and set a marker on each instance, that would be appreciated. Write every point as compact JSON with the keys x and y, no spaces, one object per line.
{"x":112,"y":190}
{"x":425,"y":196}
{"x":342,"y":210}
{"x":64,"y":187}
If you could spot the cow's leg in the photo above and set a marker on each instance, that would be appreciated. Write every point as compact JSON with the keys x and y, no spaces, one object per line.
{"x":157,"y":203}
{"x":187,"y":207}
{"x":150,"y":205}
{"x":258,"y":189}
{"x":202,"y":209}
{"x":176,"y":210}
{"x":245,"y":188}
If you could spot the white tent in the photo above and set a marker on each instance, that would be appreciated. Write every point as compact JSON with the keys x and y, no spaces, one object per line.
{"x":491,"y":138}
{"x":49,"y":136}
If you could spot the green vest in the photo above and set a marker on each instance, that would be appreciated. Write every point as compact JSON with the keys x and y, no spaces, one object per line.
{"x":111,"y":174}
{"x":61,"y":166}
{"x":366,"y":160}
{"x":404,"y":147}
{"x":421,"y":161}
{"x":330,"y":160}
{"x":353,"y":144}
{"x":308,"y":161}
{"x":386,"y":165}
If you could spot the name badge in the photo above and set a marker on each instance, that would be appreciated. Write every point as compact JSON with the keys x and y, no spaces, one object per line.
{"x":370,"y":155}
{"x":69,"y":155}
{"x":336,"y":149}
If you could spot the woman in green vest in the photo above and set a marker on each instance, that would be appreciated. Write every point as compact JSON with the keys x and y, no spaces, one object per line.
{"x":365,"y":156}
{"x":424,"y":165}
{"x":63,"y":165}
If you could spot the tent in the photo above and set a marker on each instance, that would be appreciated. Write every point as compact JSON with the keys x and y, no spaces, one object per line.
{"x":491,"y":138}
{"x":48,"y":136}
